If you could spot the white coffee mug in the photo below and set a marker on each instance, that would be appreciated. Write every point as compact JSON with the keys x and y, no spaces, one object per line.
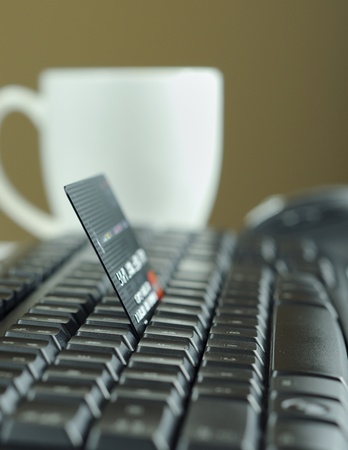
{"x":156,"y":133}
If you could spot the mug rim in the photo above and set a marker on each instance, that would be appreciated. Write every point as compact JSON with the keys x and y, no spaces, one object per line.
{"x":128,"y":73}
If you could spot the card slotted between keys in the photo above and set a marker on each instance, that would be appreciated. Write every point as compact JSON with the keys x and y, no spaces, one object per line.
{"x":114,"y":241}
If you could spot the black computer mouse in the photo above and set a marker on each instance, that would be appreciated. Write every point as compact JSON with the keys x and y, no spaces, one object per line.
{"x":315,"y":211}
{"x":318,"y":215}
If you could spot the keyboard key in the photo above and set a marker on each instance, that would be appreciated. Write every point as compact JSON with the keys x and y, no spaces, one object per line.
{"x":82,"y":306}
{"x":303,"y":345}
{"x":67,"y":325}
{"x":112,"y":346}
{"x":99,"y":331}
{"x":195,"y":326}
{"x":35,"y":274}
{"x":309,"y":435}
{"x":230,"y":359}
{"x":304,"y":407}
{"x":202,"y":286}
{"x":239,"y":322}
{"x":48,"y":333}
{"x":43,"y":347}
{"x":179,"y":361}
{"x":185,"y":319}
{"x":22,"y":358}
{"x":227,"y":389}
{"x":110,"y":308}
{"x":69,"y":388}
{"x":310,"y":385}
{"x":40,"y":424}
{"x":91,"y":360}
{"x":71,"y":312}
{"x":85,"y":283}
{"x":178,"y":330}
{"x":226,"y":333}
{"x":165,"y":391}
{"x":214,"y":424}
{"x":156,"y":372}
{"x":243,"y":346}
{"x":210,"y":369}
{"x":172,"y":344}
{"x":63,"y":372}
{"x":206,"y":297}
{"x":200,"y":313}
{"x":86,"y":296}
{"x":206,"y":307}
{"x":131,"y":423}
{"x":108,"y":319}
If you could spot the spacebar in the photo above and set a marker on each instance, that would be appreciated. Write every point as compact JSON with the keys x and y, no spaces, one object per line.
{"x":307,"y":340}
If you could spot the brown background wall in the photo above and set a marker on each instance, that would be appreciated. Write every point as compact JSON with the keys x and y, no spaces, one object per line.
{"x":285,"y":66}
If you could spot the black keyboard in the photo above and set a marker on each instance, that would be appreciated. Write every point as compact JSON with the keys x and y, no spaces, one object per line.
{"x":244,"y":351}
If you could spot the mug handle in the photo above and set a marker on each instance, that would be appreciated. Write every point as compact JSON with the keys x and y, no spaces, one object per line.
{"x":37,"y":222}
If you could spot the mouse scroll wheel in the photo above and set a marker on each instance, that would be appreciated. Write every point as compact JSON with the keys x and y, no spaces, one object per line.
{"x":302,"y":215}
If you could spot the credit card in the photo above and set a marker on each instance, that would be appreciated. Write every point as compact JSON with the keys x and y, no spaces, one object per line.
{"x":113,"y":239}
